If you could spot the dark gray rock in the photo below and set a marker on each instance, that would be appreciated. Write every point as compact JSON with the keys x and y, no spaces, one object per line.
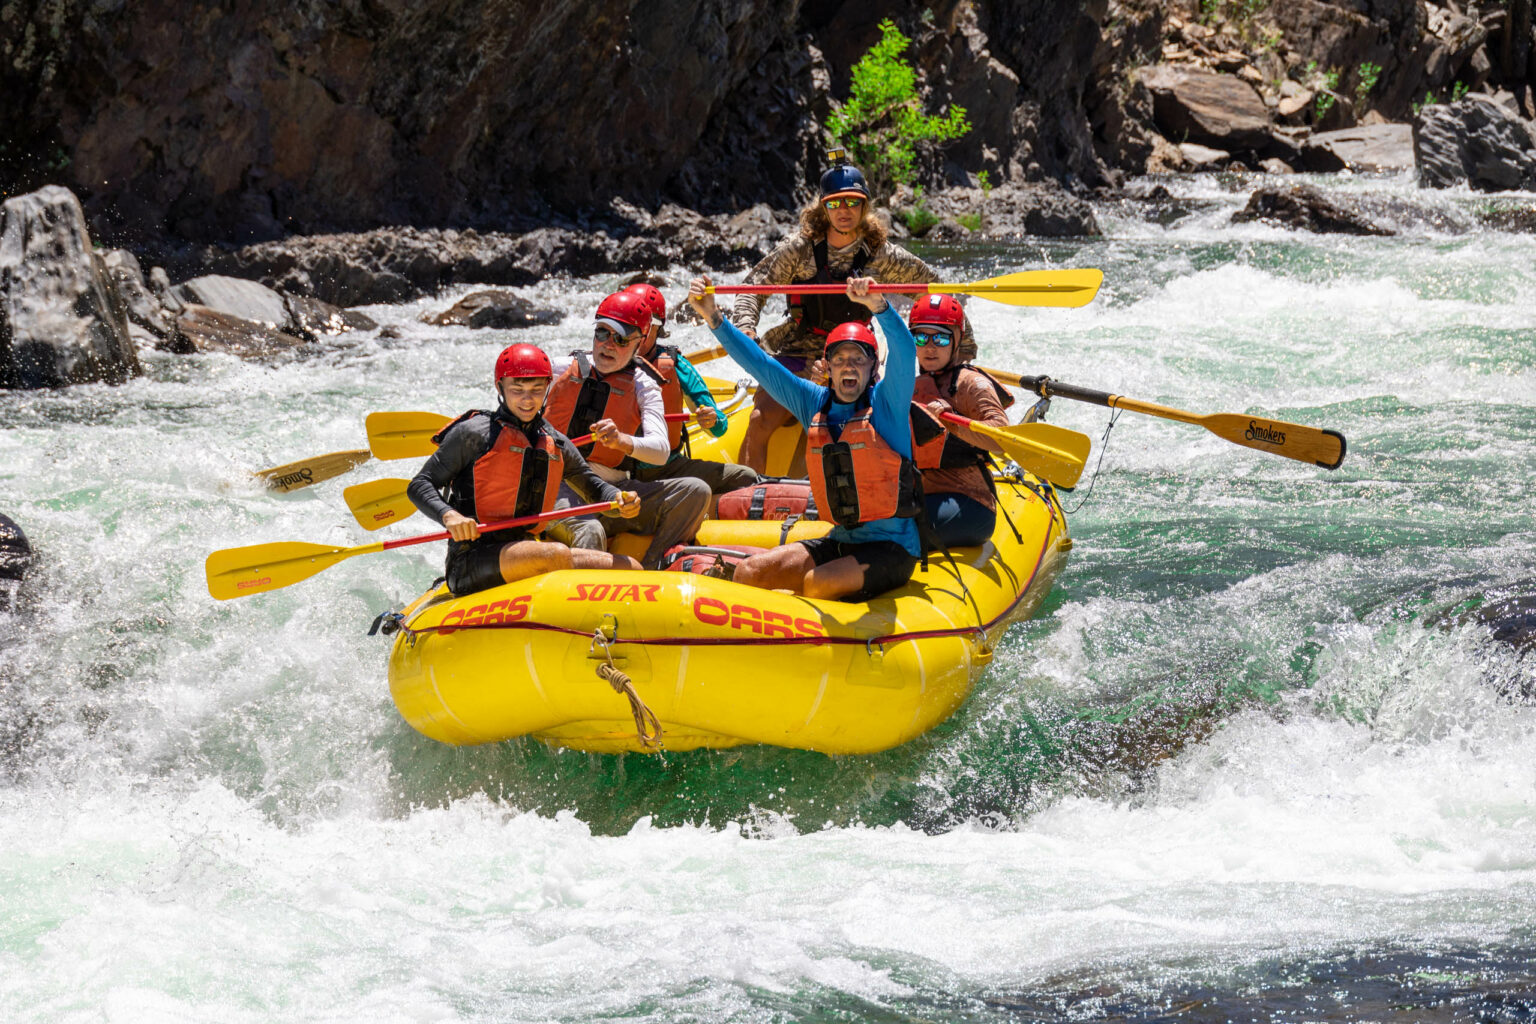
{"x":1221,"y":111}
{"x":1514,"y":217}
{"x":501,"y":309}
{"x":1375,"y":147}
{"x":207,"y":330}
{"x":15,"y":560}
{"x":312,"y":319}
{"x":1476,"y":141}
{"x":1510,"y":620}
{"x":143,"y":308}
{"x":1305,"y":207}
{"x":60,"y":320}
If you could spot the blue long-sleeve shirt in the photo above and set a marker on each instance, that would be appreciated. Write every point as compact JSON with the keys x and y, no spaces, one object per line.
{"x":890,"y":405}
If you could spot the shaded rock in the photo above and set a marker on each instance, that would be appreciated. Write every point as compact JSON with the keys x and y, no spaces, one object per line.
{"x":1510,"y":620}
{"x":1274,"y":165}
{"x":15,"y":560}
{"x":235,"y":296}
{"x":947,"y":230}
{"x":501,"y":309}
{"x":1191,"y":105}
{"x":1477,"y":141}
{"x":60,"y":320}
{"x":1515,"y":217}
{"x":1377,"y":147}
{"x":208,"y":330}
{"x":143,"y":308}
{"x":1304,"y":207}
{"x":312,"y":319}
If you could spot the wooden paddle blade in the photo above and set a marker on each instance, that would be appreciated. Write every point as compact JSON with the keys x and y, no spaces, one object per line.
{"x":378,"y":503}
{"x":705,"y":355}
{"x":240,"y":572}
{"x":1057,"y":288}
{"x":1050,"y":452}
{"x":296,"y":475}
{"x":1291,"y":440}
{"x":403,"y":435}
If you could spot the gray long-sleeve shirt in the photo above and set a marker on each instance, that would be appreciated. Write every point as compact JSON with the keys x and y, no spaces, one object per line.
{"x":469,"y":440}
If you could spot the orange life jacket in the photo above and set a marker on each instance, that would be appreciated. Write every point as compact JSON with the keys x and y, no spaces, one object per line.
{"x":663,"y":360}
{"x":857,"y":477}
{"x":581,"y":396}
{"x":933,"y":446}
{"x":515,"y":477}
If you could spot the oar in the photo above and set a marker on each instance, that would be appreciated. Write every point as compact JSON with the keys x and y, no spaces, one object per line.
{"x":240,"y":572}
{"x":295,"y":475}
{"x":1050,"y":452}
{"x":1064,"y":288}
{"x":1292,"y":440}
{"x":403,"y":435}
{"x":378,"y":503}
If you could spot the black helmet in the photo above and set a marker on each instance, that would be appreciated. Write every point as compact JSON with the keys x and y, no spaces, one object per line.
{"x":843,"y":178}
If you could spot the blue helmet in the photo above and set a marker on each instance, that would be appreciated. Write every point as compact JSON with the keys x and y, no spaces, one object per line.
{"x":843,"y":178}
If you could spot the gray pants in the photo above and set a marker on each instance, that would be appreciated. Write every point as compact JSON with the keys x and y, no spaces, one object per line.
{"x":581,"y":532}
{"x":670,"y":510}
{"x":719,"y":477}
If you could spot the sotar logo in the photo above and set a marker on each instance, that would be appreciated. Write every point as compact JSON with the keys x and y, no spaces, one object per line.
{"x":305,"y":475}
{"x":1265,"y":433}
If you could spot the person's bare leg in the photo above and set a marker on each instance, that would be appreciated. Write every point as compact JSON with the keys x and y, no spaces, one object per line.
{"x":525,"y":558}
{"x":767,"y":416}
{"x":784,"y":568}
{"x":836,"y":578}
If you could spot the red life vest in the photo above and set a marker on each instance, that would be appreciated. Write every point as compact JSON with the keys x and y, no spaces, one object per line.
{"x":823,"y":313}
{"x":663,"y":360}
{"x":517,"y":476}
{"x":857,"y":477}
{"x":934,"y":447}
{"x":581,"y":396}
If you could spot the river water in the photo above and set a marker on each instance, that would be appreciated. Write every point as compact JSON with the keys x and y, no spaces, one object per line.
{"x":1250,"y":763}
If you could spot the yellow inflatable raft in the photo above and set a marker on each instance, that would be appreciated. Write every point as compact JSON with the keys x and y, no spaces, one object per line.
{"x":648,"y":661}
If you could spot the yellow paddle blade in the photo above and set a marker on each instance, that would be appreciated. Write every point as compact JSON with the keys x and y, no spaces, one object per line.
{"x":378,"y":503}
{"x":1061,"y":288}
{"x":403,"y":435}
{"x":240,"y":572}
{"x":1050,"y":452}
{"x":295,"y":475}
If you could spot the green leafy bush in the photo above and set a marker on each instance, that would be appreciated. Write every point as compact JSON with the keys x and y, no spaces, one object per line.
{"x":1368,"y":75}
{"x":883,"y":121}
{"x":1326,"y":97}
{"x":970,"y":221}
{"x":919,"y":219}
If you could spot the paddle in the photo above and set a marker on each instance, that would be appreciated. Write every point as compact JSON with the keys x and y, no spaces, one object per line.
{"x":378,"y":503}
{"x":1291,"y":440}
{"x":1053,"y":453}
{"x":296,"y":475}
{"x":240,"y":572}
{"x":1063,"y":288}
{"x":403,"y":435}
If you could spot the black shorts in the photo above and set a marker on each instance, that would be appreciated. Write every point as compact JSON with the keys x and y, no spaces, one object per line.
{"x":476,"y":565}
{"x":887,"y":565}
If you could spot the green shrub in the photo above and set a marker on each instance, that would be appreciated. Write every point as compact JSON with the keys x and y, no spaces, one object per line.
{"x":919,"y":219}
{"x":1369,"y":74}
{"x":1326,"y":98}
{"x":971,"y":221}
{"x":883,"y":121}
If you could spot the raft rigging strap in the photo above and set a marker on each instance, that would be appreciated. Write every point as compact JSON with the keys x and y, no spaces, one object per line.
{"x":1103,"y":445}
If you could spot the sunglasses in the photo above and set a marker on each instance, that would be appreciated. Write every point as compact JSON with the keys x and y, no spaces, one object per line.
{"x":837,"y":204}
{"x":606,"y":336}
{"x":933,"y":336}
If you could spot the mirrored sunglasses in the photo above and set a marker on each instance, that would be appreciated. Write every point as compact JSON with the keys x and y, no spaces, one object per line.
{"x":931,"y":336}
{"x":852,"y":202}
{"x":606,"y":335}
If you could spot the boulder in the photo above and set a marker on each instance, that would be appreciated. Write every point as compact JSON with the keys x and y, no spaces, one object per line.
{"x":312,"y":319}
{"x":494,"y":308}
{"x":1519,"y":218}
{"x":1476,"y":141}
{"x":1203,"y":158}
{"x":1305,"y":207}
{"x":209,"y":330}
{"x":1376,"y":147}
{"x":148,"y":319}
{"x":235,"y":296}
{"x":1192,"y":105}
{"x":60,"y":320}
{"x":15,"y":560}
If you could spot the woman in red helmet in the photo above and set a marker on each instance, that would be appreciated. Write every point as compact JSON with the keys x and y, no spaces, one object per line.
{"x":680,"y":382}
{"x":957,"y":479}
{"x":503,"y":465}
{"x":839,"y":238}
{"x":616,"y":396}
{"x":858,"y":455}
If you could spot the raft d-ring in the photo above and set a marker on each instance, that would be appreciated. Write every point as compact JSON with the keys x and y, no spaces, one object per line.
{"x":647,"y":725}
{"x":873,"y":646}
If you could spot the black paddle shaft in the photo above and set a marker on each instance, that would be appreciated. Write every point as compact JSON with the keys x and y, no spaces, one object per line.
{"x":1047,"y":388}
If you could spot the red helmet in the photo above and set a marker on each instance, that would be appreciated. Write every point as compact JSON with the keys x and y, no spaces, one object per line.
{"x":654,"y":302}
{"x":855,"y":332}
{"x":627,"y":309}
{"x":522,"y":360}
{"x":939,"y":311}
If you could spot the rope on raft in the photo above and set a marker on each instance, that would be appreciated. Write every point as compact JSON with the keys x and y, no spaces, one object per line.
{"x":647,"y":725}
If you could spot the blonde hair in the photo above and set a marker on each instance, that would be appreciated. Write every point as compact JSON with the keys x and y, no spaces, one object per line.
{"x":815,"y":223}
